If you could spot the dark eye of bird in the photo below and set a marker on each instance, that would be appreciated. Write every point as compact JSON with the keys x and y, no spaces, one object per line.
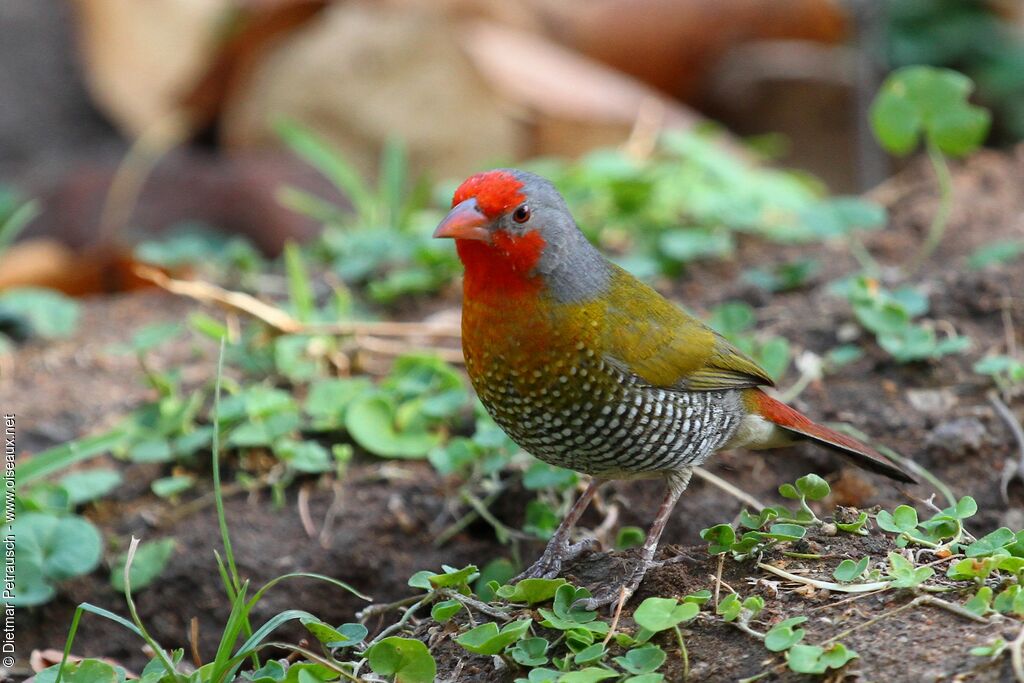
{"x":522,"y":214}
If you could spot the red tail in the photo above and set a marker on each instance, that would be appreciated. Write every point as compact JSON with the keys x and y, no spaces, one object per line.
{"x":792,"y":421}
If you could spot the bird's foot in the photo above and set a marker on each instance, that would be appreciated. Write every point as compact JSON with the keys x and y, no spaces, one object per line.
{"x":549,"y":564}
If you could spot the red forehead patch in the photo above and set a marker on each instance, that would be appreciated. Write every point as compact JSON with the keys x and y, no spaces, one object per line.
{"x":495,"y":191}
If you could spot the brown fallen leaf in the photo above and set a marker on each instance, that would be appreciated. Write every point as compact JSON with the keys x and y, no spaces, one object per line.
{"x":48,"y":263}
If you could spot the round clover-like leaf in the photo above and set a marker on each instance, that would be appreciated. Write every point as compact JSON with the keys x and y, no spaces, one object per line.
{"x":929,"y":101}
{"x":658,"y":614}
{"x":784,"y":634}
{"x":408,"y":660}
{"x":812,"y":487}
{"x":371,"y":422}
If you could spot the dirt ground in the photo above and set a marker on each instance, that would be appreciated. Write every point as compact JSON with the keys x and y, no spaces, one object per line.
{"x":934,"y":412}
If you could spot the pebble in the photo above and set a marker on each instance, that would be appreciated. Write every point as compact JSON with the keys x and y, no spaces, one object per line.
{"x":958,"y":436}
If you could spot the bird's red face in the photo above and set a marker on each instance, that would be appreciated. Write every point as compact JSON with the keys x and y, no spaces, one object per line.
{"x":491,"y":223}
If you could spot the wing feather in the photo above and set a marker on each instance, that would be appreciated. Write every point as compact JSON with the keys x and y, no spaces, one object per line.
{"x":666,"y":347}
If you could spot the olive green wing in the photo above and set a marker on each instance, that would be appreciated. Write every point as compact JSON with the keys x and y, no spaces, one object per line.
{"x":666,"y":347}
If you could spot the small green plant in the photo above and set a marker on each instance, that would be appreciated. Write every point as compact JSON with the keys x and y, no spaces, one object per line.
{"x":399,"y":655}
{"x":890,"y":315}
{"x":15,"y":215}
{"x":783,"y":277}
{"x":385,"y":243}
{"x":1006,"y":371}
{"x":36,"y":312}
{"x":1003,"y":251}
{"x":918,"y":102}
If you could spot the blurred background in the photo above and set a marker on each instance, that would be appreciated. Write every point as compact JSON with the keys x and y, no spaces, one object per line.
{"x":199,"y":87}
{"x":283,"y":163}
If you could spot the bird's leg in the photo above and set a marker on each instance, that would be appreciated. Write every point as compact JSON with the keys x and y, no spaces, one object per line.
{"x":558,"y":549}
{"x":612,"y":593}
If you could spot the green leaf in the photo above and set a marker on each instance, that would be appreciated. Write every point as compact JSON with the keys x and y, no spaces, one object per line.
{"x":304,"y":456}
{"x":442,"y":611}
{"x":486,"y":639}
{"x":530,"y":652}
{"x":659,"y":614}
{"x":720,"y":538}
{"x":345,"y":635}
{"x":966,"y":507}
{"x":50,"y":549}
{"x":316,"y":152}
{"x":994,"y":649}
{"x":806,"y":659}
{"x":564,"y":604}
{"x":729,"y":607}
{"x":149,"y":561}
{"x":642,"y":660}
{"x":812,"y":487}
{"x":784,"y":635}
{"x":408,"y":660}
{"x":454,"y":578}
{"x":684,"y":246}
{"x":49,"y":314}
{"x":540,"y":475}
{"x":980,"y":602}
{"x":492,"y":576}
{"x":645,"y":678}
{"x":732,"y":318}
{"x":855,"y":527}
{"x":629,"y":537}
{"x":1003,"y":251}
{"x":86,"y":671}
{"x":902,"y":519}
{"x":589,"y":654}
{"x":371,"y":421}
{"x":329,"y":399}
{"x":57,"y":458}
{"x":591,"y":674}
{"x":926,"y":100}
{"x":786,"y":532}
{"x":848,"y":570}
{"x":991,"y":542}
{"x":531,"y":591}
{"x":300,"y":289}
{"x":89,"y":485}
{"x":168,"y":487}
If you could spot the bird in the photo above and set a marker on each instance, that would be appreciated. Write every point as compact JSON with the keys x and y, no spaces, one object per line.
{"x":588,"y":368}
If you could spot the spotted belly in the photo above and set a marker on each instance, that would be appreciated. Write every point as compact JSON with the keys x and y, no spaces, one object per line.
{"x":597,"y":419}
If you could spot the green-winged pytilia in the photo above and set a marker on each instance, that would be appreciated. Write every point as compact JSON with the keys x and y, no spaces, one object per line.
{"x":588,"y":368}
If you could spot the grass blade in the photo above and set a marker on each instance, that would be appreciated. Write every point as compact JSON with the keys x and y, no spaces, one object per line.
{"x":65,"y":455}
{"x":300,"y":291}
{"x":16,"y":222}
{"x":393,"y":172}
{"x":250,"y":646}
{"x":73,"y":630}
{"x":307,"y":575}
{"x":316,"y":152}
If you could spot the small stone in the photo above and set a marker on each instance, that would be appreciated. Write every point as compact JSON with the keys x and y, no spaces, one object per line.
{"x":932,"y":401}
{"x":958,"y":436}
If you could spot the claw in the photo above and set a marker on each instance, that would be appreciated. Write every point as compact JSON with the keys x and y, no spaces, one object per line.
{"x":549,"y":564}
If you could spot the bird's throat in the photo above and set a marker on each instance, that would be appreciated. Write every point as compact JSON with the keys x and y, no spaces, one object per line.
{"x":502,"y":269}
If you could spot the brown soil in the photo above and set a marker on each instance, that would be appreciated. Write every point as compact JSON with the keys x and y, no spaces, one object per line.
{"x":390,"y":511}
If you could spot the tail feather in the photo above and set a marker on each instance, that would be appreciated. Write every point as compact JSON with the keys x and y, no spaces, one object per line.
{"x":799,"y":424}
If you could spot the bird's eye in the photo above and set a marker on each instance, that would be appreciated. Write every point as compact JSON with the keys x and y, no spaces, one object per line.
{"x":522,"y":214}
